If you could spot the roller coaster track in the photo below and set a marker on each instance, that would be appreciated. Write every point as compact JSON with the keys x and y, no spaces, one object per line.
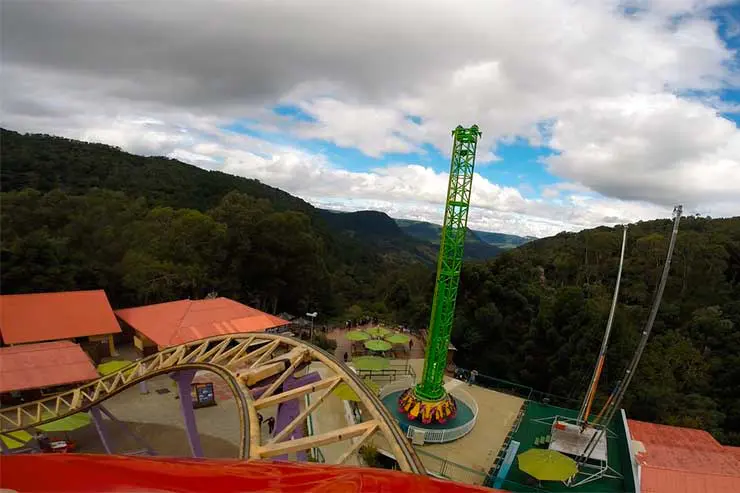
{"x":245,"y":363}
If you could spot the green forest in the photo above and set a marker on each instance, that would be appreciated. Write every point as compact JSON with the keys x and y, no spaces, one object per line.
{"x":84,"y":216}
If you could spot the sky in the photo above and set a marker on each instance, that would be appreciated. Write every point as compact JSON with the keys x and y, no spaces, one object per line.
{"x":592,"y":112}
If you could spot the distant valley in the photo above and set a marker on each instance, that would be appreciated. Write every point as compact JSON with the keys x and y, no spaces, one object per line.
{"x":405,"y":239}
{"x":431,"y":232}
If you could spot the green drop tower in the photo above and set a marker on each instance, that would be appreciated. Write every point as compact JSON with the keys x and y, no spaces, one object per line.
{"x":428,"y":401}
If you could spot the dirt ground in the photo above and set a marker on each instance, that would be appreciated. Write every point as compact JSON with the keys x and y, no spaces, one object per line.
{"x":166,"y":440}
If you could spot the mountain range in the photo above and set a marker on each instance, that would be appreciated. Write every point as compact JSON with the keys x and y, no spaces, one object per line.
{"x":44,"y":162}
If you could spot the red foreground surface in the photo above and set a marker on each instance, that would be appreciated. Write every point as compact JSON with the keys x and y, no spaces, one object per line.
{"x":111,"y":473}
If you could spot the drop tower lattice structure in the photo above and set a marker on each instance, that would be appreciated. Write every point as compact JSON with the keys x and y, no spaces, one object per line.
{"x":428,"y":401}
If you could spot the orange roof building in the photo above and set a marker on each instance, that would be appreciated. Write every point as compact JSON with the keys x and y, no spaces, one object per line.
{"x":178,"y":322}
{"x":55,"y":316}
{"x":42,"y":365}
{"x":683,"y":460}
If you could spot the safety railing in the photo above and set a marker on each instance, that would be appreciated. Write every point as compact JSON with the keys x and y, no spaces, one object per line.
{"x":447,"y":435}
{"x":396,"y":386}
{"x":504,"y":386}
{"x":391,"y":374}
{"x":444,"y":468}
{"x":436,"y":436}
{"x":523,"y":391}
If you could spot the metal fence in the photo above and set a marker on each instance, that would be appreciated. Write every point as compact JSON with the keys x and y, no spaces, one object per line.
{"x":504,"y":386}
{"x":447,"y":469}
{"x":391,"y":374}
{"x":524,"y":391}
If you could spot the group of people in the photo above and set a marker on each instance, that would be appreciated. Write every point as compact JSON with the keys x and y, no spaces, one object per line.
{"x":270,"y":422}
{"x":467,"y":375}
{"x":359,"y":322}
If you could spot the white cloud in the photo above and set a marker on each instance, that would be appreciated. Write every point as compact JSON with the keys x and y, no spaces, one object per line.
{"x":650,"y":147}
{"x":155,"y":79}
{"x":553,"y":191}
{"x":373,"y":130}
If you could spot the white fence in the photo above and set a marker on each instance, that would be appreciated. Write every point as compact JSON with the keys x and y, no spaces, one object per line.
{"x":437,"y":436}
{"x":396,"y":385}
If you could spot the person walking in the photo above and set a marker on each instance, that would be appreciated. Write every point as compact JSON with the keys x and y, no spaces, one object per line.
{"x":471,"y":379}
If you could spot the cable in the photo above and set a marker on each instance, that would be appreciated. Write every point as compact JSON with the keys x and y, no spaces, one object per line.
{"x":588,"y":400}
{"x":630,"y":371}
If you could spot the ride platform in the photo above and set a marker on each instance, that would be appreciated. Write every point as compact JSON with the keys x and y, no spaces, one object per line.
{"x":538,"y":421}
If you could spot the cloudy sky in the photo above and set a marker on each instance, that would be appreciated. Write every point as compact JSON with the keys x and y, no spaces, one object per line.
{"x":592,"y":112}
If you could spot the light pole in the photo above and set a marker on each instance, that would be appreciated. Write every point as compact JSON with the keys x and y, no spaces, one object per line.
{"x":313,"y":316}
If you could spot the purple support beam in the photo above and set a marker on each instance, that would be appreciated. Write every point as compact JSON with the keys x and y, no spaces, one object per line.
{"x":100,"y":427}
{"x":287,"y":411}
{"x":142,"y":443}
{"x":265,"y":384}
{"x":293,"y":383}
{"x":184,"y":379}
{"x":143,"y":389}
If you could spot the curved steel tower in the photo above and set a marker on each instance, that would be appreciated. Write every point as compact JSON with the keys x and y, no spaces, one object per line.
{"x":429,"y":401}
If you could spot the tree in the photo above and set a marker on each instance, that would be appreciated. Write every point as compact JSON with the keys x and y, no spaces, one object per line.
{"x":174,"y":253}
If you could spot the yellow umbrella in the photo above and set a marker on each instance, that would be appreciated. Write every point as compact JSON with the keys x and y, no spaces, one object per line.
{"x":372,"y":386}
{"x":70,"y":423}
{"x":345,"y":392}
{"x":547,"y":465}
{"x":16,"y":439}
{"x":112,"y":366}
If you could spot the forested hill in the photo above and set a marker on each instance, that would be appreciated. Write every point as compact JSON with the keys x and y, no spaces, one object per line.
{"x":431,"y":232}
{"x":536,"y":315}
{"x":88,"y":216}
{"x":475,"y":247}
{"x":402,"y":239}
{"x":77,"y":215}
{"x":45,"y":163}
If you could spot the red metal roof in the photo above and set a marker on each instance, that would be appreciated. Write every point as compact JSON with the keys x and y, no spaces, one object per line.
{"x":657,"y":480}
{"x":45,"y":364}
{"x":54,"y":316}
{"x":684,"y":460}
{"x":178,"y":322}
{"x":734,"y":451}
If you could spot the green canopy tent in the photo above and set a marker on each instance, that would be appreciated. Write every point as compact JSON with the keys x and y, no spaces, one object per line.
{"x":16,"y":439}
{"x":112,"y":366}
{"x":547,"y":465}
{"x":371,"y":363}
{"x":345,"y":392}
{"x":398,"y":338}
{"x":357,"y":335}
{"x":70,"y":423}
{"x":378,"y":345}
{"x":379,"y":332}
